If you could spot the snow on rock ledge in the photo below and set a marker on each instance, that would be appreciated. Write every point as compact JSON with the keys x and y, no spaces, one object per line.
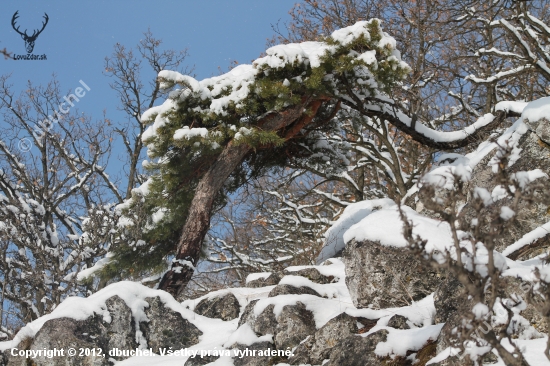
{"x":334,"y":237}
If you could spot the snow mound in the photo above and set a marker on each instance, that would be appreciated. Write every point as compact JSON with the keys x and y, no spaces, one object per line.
{"x":334,"y":237}
{"x":386,"y":227}
{"x":536,"y":110}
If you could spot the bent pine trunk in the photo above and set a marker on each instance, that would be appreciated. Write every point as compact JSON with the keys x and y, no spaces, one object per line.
{"x":200,"y":211}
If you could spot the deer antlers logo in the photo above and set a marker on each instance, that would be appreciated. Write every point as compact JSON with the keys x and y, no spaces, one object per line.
{"x":29,"y":40}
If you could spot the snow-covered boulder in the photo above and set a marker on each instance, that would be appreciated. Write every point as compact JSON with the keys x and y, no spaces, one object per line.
{"x":398,"y":322}
{"x":317,"y":347}
{"x":380,"y":271}
{"x":224,"y":307}
{"x":256,"y":280}
{"x":124,"y":316}
{"x":312,"y":274}
{"x":294,"y":324}
{"x":261,"y":324}
{"x":356,"y":350}
{"x":292,"y":290}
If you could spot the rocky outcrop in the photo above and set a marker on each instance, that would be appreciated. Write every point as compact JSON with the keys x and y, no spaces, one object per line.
{"x":318,"y":347}
{"x":264,"y":323}
{"x":116,"y":329}
{"x":224,"y":307}
{"x":335,"y":314}
{"x":357,"y":350}
{"x":535,"y":154}
{"x":293,"y":325}
{"x":383,"y":277}
{"x":292,"y":290}
{"x":93,"y":333}
{"x":312,"y":274}
{"x":270,"y":280}
{"x":200,"y":361}
{"x":251,"y":359}
{"x":166,"y":328}
{"x":398,"y":322}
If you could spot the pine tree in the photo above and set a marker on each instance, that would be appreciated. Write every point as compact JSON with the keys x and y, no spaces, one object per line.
{"x":238,"y":124}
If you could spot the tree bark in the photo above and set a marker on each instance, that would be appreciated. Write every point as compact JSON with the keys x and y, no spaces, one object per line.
{"x":200,"y":211}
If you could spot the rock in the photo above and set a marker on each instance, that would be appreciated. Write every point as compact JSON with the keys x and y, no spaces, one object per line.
{"x":254,"y":360}
{"x":384,"y":277}
{"x":294,"y":324}
{"x":448,"y":299}
{"x":200,"y":361}
{"x":302,"y":353}
{"x":292,"y":290}
{"x":248,"y":314}
{"x":92,"y":333}
{"x":312,"y":274}
{"x":225,"y":307}
{"x":535,"y":154}
{"x":271,"y":280}
{"x":121,"y":331}
{"x":514,"y":288}
{"x":398,"y":322}
{"x":166,"y":328}
{"x":449,"y":307}
{"x":357,"y":350}
{"x":450,"y":304}
{"x":318,"y":346}
{"x":543,"y":130}
{"x":63,"y":333}
{"x":263,"y":324}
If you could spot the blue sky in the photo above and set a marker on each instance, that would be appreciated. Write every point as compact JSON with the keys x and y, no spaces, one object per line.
{"x":81,"y":34}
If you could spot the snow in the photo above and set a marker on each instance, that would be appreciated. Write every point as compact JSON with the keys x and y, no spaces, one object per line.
{"x":133,"y":294}
{"x":443,"y":355}
{"x":441,"y":136}
{"x":530,"y":237}
{"x":180,"y":79}
{"x":349,"y":34}
{"x":525,"y":177}
{"x":511,"y":106}
{"x":399,"y":341}
{"x":480,"y":310}
{"x":85,"y":273}
{"x":302,"y":53}
{"x":233,"y":87}
{"x":537,"y":110}
{"x":299,"y":281}
{"x":369,"y":57}
{"x":257,"y":276}
{"x":246,"y":336}
{"x":506,"y":213}
{"x":451,"y":165}
{"x":484,"y":195}
{"x":373,"y":220}
{"x":385,"y":227}
{"x":420,"y":313}
{"x":533,"y":351}
{"x":243,"y":294}
{"x":353,"y":213}
{"x":188,"y":133}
